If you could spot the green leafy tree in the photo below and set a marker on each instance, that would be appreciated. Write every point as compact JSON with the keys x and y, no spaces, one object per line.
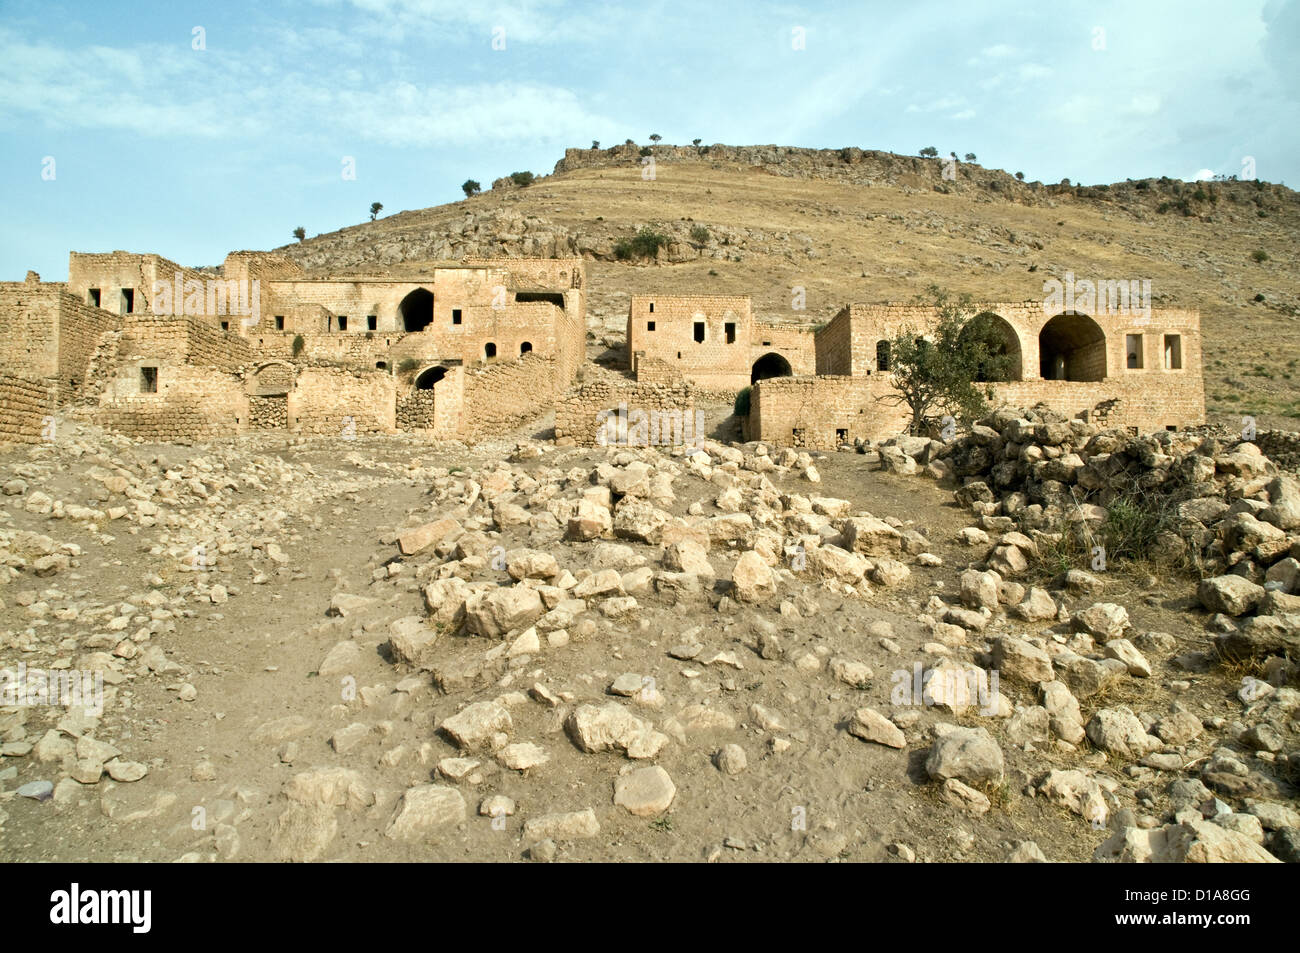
{"x":375,"y":209}
{"x":947,"y":368}
{"x":470,"y":187}
{"x":930,"y":152}
{"x":1020,"y":176}
{"x":655,"y":137}
{"x":696,"y":142}
{"x":595,"y":143}
{"x":970,"y":157}
{"x":300,"y":233}
{"x":522,"y":179}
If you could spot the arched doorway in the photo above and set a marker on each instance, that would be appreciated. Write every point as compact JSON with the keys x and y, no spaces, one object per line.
{"x":428,"y":378}
{"x":416,"y":310}
{"x":1072,"y":347}
{"x":1000,"y":342}
{"x":769,"y":365}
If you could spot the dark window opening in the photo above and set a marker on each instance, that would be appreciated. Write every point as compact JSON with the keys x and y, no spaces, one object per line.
{"x":1171,"y":427}
{"x":416,"y":310}
{"x":128,"y":300}
{"x":652,"y":307}
{"x":841,"y":435}
{"x":552,"y":297}
{"x":882,"y":355}
{"x":343,"y":322}
{"x":699,"y":332}
{"x":767,"y":344}
{"x":455,"y":315}
{"x":489,"y":351}
{"x":730,"y":328}
{"x":430,"y":377}
{"x":649,"y":325}
{"x":525,"y":348}
{"x":382,"y":365}
{"x":148,"y":380}
{"x":225,"y":325}
{"x":372,"y":322}
{"x":94,"y":297}
{"x":1133,"y":348}
{"x":279,"y":322}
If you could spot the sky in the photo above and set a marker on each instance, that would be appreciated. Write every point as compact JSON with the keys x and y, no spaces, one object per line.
{"x":191,"y":129}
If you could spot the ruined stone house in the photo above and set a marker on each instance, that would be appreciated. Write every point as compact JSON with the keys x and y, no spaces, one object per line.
{"x":158,"y":351}
{"x":824,"y":387}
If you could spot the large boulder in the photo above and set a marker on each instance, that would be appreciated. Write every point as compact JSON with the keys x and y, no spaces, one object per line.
{"x":495,"y":613}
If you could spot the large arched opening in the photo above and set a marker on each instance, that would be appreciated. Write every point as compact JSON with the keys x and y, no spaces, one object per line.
{"x":416,"y":310}
{"x":769,"y":365}
{"x":1072,"y":347}
{"x":1001,"y":344}
{"x":430,"y":377}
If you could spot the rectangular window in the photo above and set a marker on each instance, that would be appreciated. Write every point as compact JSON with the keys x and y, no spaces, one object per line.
{"x":128,"y":300}
{"x":652,"y":307}
{"x":343,"y":322}
{"x":279,"y":322}
{"x":649,"y":325}
{"x":731,"y":332}
{"x":455,"y":315}
{"x":148,"y":380}
{"x":1133,"y":348}
{"x":94,"y":297}
{"x":1173,"y":352}
{"x":225,"y":325}
{"x":699,"y":332}
{"x":372,"y":322}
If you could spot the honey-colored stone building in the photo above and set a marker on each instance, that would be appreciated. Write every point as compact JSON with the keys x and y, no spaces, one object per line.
{"x":158,"y":351}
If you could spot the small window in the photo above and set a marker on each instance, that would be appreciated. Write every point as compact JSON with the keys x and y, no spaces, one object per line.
{"x":1173,"y":352}
{"x":343,"y":322}
{"x":731,"y":332}
{"x":382,"y":365}
{"x":767,"y":344}
{"x":1133,"y":347}
{"x":94,"y":297}
{"x":525,"y":348}
{"x":652,"y":307}
{"x":148,"y":380}
{"x":841,"y":435}
{"x":225,"y":325}
{"x":279,"y":322}
{"x":649,"y":325}
{"x":128,"y":300}
{"x":1173,"y":428}
{"x":699,"y":332}
{"x":372,"y":322}
{"x":882,"y":355}
{"x":455,"y":315}
{"x":489,"y":351}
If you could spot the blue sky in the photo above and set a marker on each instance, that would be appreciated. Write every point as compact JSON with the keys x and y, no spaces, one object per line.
{"x":158,"y":146}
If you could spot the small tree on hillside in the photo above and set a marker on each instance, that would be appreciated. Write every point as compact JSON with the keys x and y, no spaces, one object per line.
{"x":471,"y":188}
{"x":944,"y":369}
{"x":375,"y":209}
{"x":300,"y":233}
{"x":696,"y":142}
{"x":970,"y":157}
{"x":930,"y":152}
{"x":655,"y":137}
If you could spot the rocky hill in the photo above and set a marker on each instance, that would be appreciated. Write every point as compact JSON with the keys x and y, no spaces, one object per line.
{"x":859,"y":225}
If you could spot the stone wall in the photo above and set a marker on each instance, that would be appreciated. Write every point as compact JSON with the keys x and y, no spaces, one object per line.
{"x":499,"y":397}
{"x":24,"y":405}
{"x":46,"y":333}
{"x":268,"y":412}
{"x":192,"y":403}
{"x":342,"y":402}
{"x":583,"y":417}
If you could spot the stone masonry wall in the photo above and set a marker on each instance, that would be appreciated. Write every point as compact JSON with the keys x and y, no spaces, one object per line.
{"x":24,"y":404}
{"x":579,"y":420}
